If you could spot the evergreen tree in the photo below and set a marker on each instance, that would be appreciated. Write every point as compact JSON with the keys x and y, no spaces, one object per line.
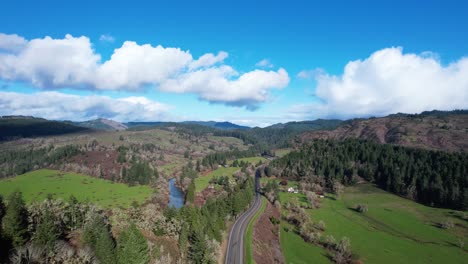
{"x":198,"y":251}
{"x":183,"y":236}
{"x":2,"y":211}
{"x":99,"y":237}
{"x":4,"y":245}
{"x":46,"y":231}
{"x":132,"y":247}
{"x":15,"y":222}
{"x":105,"y":247}
{"x":190,"y":196}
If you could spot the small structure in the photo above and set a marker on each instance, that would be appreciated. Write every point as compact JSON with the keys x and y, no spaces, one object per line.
{"x":292,"y":190}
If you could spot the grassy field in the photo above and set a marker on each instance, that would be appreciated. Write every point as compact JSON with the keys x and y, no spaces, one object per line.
{"x":282,"y":152}
{"x":37,"y":184}
{"x":249,"y":232}
{"x":203,"y":181}
{"x":297,"y":251}
{"x":394,"y":230}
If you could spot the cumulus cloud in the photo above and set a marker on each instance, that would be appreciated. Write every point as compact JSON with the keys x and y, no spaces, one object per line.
{"x":390,"y":81}
{"x":61,"y":106}
{"x":264,"y":63}
{"x":133,"y":66}
{"x":11,"y":43}
{"x":216,"y":85}
{"x":106,"y":38}
{"x":72,"y":63}
{"x":208,"y":59}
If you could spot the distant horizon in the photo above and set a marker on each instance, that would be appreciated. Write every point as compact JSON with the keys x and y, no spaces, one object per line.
{"x":227,"y":121}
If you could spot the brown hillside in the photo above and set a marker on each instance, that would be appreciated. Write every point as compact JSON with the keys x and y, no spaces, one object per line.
{"x":447,"y":132}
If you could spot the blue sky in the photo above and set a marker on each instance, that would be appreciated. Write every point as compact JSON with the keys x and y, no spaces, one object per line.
{"x":399,"y":56}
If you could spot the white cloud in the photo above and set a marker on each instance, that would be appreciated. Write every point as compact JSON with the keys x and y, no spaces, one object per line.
{"x":133,"y":66}
{"x":72,"y":63}
{"x":208,"y":59}
{"x":107,"y":38}
{"x":265,"y":63}
{"x":216,"y":85}
{"x":61,"y":106}
{"x":11,"y":43}
{"x":390,"y":81}
{"x":309,"y":74}
{"x":51,"y":62}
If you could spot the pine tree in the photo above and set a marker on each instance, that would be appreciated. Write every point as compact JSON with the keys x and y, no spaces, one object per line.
{"x":15,"y":222}
{"x":198,"y":250}
{"x":105,"y":247}
{"x":190,"y":196}
{"x":132,"y":247}
{"x":2,"y":211}
{"x":98,"y":236}
{"x":183,"y":236}
{"x":46,"y":231}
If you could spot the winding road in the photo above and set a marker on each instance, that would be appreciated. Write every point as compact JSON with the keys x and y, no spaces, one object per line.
{"x":235,"y":247}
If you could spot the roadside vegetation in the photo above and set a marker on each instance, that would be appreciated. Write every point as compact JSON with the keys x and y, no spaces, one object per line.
{"x":249,"y":233}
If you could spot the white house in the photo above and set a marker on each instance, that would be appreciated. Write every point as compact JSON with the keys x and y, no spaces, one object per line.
{"x":292,"y":190}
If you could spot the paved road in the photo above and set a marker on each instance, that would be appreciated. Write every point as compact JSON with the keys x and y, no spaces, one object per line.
{"x":235,"y":247}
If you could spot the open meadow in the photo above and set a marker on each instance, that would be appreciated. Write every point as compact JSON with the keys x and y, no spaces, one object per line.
{"x":36,"y":185}
{"x":394,"y":230}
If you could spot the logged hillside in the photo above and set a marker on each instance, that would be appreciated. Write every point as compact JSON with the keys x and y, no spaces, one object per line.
{"x":430,"y":130}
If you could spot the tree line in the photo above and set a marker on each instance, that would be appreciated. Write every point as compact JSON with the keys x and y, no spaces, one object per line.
{"x":15,"y":162}
{"x":434,"y":178}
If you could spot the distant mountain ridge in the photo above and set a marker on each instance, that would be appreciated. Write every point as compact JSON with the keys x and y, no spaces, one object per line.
{"x":102,"y":124}
{"x":220,"y":125}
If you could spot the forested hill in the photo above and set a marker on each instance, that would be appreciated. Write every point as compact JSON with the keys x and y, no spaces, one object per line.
{"x":218,"y":125}
{"x":13,"y":127}
{"x":434,"y":178}
{"x":102,"y":124}
{"x":436,"y":130}
{"x":210,"y":124}
{"x":280,"y":135}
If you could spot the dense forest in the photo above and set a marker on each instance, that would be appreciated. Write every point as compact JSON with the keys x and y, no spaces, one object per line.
{"x":279,"y":135}
{"x":434,"y":178}
{"x":12,"y":127}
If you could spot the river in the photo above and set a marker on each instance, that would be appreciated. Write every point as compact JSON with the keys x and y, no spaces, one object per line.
{"x":176,"y":196}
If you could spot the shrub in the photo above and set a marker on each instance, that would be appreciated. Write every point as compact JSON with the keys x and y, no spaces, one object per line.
{"x":274,"y":220}
{"x":321,"y":225}
{"x":362,"y":208}
{"x":447,"y":224}
{"x":343,"y":251}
